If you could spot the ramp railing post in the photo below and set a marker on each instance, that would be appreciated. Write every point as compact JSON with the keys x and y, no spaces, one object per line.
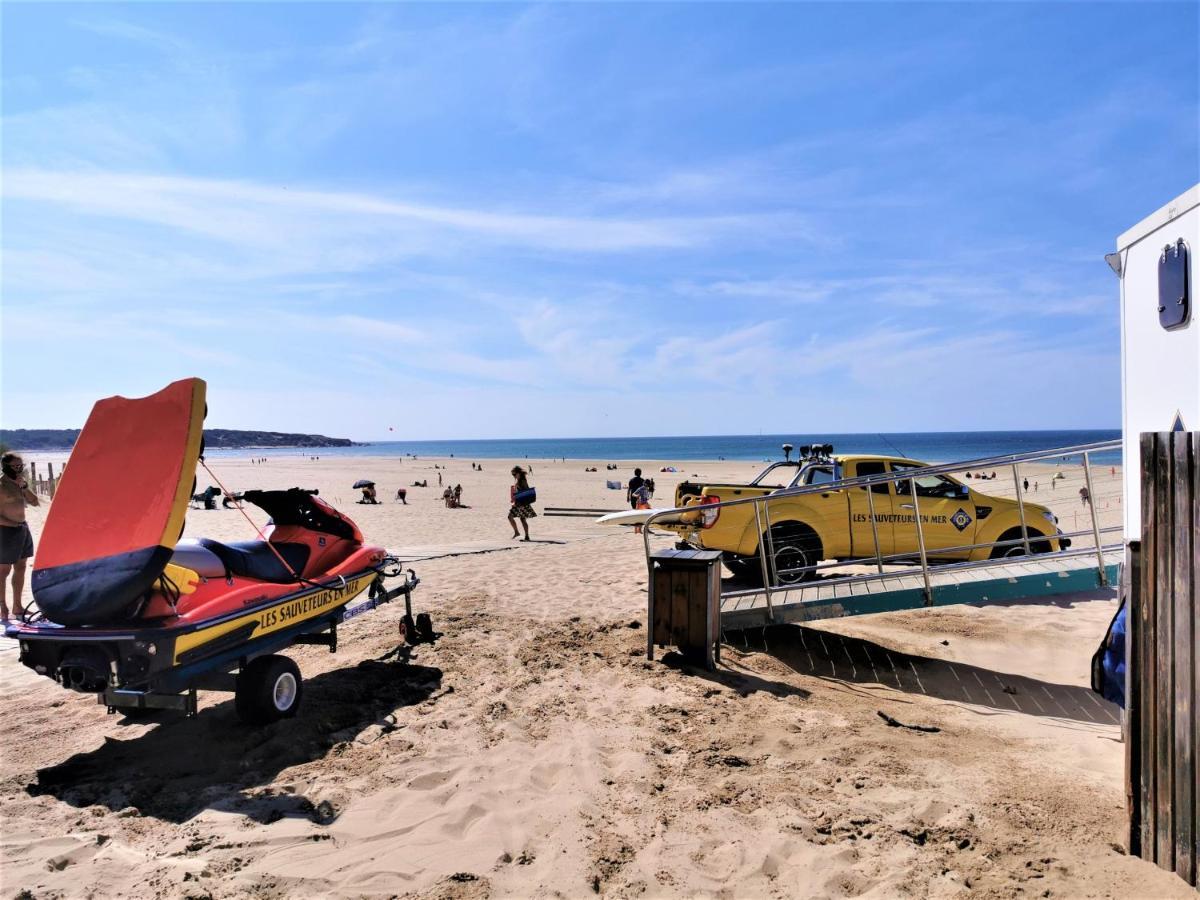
{"x":874,"y":526}
{"x":762,"y":554}
{"x":649,"y":590}
{"x":1021,"y":508}
{"x":912,"y":492}
{"x":1087,"y":475}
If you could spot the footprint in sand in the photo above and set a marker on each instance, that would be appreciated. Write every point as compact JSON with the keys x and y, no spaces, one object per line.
{"x":430,"y":781}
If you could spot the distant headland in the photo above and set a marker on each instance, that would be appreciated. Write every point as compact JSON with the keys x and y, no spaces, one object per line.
{"x":214,"y":439}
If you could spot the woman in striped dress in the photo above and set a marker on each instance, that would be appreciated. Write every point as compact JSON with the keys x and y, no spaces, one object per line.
{"x":522,"y":511}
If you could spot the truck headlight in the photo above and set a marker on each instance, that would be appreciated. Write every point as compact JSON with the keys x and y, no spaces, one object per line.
{"x":1051,"y":516}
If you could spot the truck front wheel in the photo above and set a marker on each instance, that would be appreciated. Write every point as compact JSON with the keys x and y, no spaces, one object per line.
{"x":1037,"y":544}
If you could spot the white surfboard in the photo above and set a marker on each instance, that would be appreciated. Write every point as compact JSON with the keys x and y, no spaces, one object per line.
{"x":638,"y":517}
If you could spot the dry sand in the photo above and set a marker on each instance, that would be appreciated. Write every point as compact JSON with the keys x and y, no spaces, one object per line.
{"x":533,"y":751}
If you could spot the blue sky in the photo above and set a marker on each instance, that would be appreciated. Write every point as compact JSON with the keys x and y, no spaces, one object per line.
{"x":587,"y":219}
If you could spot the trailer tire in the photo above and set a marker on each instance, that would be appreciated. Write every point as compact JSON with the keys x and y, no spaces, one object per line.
{"x":425,"y":628}
{"x":269,"y":689}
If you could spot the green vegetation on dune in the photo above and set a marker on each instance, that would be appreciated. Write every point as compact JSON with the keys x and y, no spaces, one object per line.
{"x":214,"y":439}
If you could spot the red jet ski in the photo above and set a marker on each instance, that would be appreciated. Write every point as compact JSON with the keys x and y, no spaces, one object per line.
{"x":129,"y":612}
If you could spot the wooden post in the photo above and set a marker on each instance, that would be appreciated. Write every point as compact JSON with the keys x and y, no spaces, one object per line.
{"x":1131,"y":722}
{"x":1183,"y":640}
{"x":1164,"y":653}
{"x":33,"y":477}
{"x":50,"y":478}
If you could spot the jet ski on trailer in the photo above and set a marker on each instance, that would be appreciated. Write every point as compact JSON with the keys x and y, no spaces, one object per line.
{"x":131,"y":613}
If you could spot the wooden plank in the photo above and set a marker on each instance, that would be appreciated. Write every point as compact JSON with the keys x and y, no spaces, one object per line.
{"x":679,"y":607}
{"x":1183,"y":676}
{"x":698,"y":581}
{"x":1131,"y":731}
{"x":1164,"y":724}
{"x":1194,"y":647}
{"x":661,"y":596}
{"x":1147,"y":668}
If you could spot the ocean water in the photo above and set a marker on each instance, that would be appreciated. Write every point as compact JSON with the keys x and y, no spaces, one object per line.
{"x":929,"y":446}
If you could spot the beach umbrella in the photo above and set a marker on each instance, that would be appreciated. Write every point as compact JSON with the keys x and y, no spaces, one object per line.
{"x":362,"y":483}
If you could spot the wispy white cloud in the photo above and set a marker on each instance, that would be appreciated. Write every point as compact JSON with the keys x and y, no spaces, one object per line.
{"x":251,"y":214}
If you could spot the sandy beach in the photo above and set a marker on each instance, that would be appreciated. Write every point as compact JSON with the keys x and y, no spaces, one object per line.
{"x":533,"y":751}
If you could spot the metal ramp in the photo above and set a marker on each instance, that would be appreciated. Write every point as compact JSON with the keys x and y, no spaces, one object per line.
{"x":1023,"y":578}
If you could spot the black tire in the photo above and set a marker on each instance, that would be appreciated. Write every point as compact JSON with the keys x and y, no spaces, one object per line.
{"x":425,"y":628}
{"x":269,"y":689}
{"x":796,"y":550}
{"x":747,"y":569}
{"x":1037,"y":544}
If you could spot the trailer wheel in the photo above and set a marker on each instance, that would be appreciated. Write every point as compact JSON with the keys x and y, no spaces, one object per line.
{"x":425,"y":628}
{"x":269,"y":689}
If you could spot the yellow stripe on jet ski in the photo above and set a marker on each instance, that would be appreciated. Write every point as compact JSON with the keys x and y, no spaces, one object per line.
{"x":285,"y":614}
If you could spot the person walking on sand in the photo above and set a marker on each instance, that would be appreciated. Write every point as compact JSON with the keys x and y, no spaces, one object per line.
{"x":634,"y":483}
{"x":522,"y":511}
{"x":1084,"y":496}
{"x":16,"y":543}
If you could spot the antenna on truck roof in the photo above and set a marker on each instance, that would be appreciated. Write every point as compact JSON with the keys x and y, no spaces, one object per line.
{"x":893,"y":446}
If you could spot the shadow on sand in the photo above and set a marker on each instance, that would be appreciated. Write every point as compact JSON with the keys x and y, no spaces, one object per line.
{"x":186,"y":765}
{"x":823,"y":654}
{"x":745,"y":683}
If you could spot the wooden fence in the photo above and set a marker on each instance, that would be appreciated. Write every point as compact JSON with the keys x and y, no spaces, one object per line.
{"x":1162,"y":724}
{"x":47,"y":485}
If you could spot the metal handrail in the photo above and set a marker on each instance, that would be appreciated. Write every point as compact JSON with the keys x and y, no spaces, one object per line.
{"x":910,"y":475}
{"x":943,"y":567}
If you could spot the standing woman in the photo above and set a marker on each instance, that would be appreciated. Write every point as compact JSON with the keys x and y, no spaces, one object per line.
{"x":522,"y":511}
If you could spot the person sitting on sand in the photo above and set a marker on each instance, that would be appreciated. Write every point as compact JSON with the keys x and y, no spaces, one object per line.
{"x":522,"y":511}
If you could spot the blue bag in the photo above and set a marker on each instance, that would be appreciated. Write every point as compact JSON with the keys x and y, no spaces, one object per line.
{"x":525,"y":497}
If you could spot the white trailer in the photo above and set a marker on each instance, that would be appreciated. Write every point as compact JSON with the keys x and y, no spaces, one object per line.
{"x":1160,"y":333}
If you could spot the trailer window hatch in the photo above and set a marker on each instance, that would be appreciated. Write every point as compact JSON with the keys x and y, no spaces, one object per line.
{"x":1174,"y":300}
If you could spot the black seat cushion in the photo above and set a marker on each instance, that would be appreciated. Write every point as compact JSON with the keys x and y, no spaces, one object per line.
{"x":254,"y":559}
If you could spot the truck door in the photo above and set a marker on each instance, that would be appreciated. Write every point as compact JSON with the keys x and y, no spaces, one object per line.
{"x":861,"y":534}
{"x":824,"y":512}
{"x":948,"y":516}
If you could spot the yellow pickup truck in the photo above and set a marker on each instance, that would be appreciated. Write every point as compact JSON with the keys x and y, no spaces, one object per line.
{"x":807,"y":528}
